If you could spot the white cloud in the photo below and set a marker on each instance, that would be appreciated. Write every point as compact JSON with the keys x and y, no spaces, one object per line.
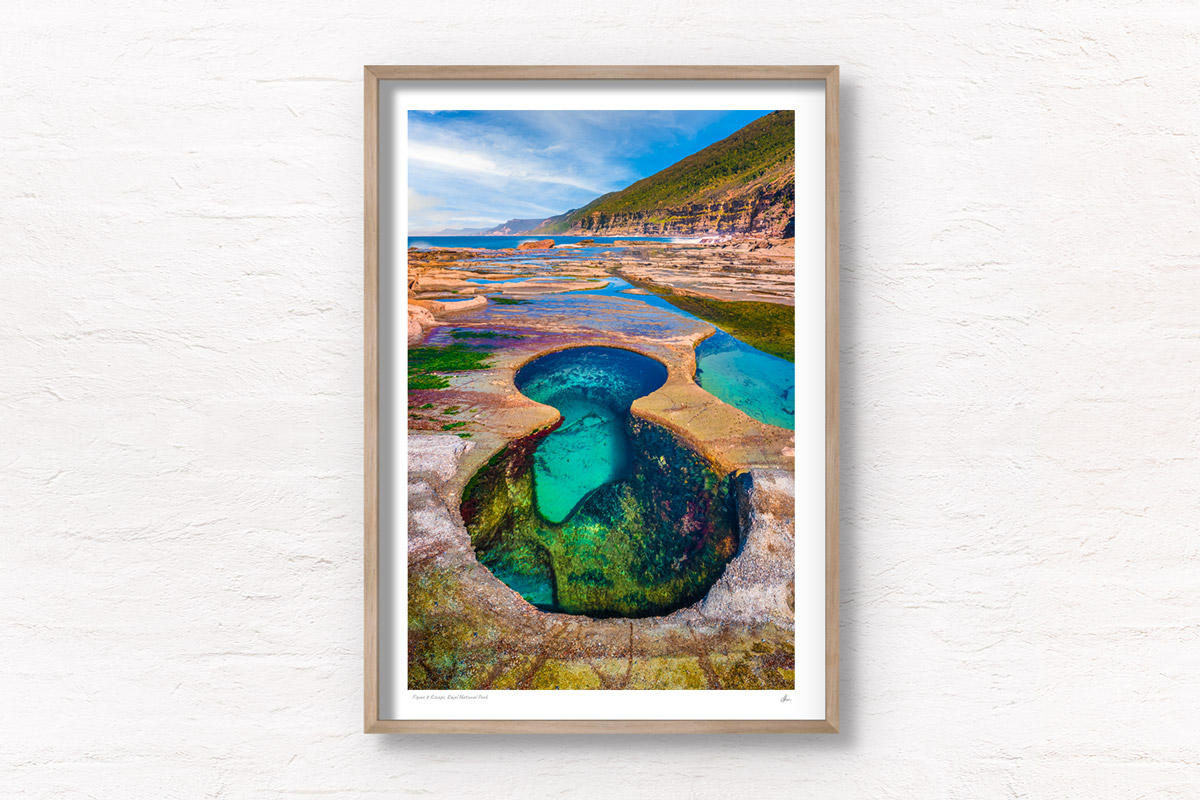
{"x":422,"y":202}
{"x":460,"y":160}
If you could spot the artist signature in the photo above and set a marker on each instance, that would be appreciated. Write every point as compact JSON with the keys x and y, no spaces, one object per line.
{"x":785,"y":699}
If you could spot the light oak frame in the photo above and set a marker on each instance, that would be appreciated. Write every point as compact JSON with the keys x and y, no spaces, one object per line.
{"x":372,"y":76}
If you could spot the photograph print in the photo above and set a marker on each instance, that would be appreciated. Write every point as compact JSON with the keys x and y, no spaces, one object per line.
{"x":600,"y":400}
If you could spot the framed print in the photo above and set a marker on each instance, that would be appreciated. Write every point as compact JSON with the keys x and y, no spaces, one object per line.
{"x":601,"y":488}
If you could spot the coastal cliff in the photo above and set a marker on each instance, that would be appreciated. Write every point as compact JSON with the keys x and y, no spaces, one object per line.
{"x":743,"y":184}
{"x":760,"y":210}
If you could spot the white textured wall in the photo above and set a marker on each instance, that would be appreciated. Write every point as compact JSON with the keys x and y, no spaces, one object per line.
{"x":180,"y":401}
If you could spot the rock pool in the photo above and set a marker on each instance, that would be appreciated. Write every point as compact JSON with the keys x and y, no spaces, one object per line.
{"x":759,"y":384}
{"x":605,"y":514}
{"x":593,"y":388}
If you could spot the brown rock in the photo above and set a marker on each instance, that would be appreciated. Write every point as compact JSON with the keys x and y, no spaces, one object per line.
{"x":759,"y":584}
{"x":455,"y":305}
{"x":418,"y":320}
{"x":540,"y":244}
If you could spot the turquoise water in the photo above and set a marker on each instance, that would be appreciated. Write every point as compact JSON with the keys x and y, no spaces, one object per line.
{"x":759,"y":384}
{"x":593,"y":388}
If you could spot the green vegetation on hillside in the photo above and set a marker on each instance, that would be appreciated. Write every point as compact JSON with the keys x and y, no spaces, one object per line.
{"x":556,"y":224}
{"x":761,"y":152}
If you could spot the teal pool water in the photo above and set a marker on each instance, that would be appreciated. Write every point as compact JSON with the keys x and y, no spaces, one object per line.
{"x":606,"y":514}
{"x":758,"y":383}
{"x":593,"y":388}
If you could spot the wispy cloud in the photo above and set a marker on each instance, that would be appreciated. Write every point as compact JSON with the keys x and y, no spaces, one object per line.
{"x":480,"y":168}
{"x":419,"y":202}
{"x":457,"y":160}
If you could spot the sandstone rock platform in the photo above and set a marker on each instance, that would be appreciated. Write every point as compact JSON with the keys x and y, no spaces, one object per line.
{"x":467,"y":629}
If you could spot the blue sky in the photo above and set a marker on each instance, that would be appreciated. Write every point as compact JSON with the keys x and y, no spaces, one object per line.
{"x":475,"y":169}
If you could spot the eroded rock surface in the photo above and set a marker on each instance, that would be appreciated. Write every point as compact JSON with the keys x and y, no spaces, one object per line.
{"x":419,"y":320}
{"x":456,"y":306}
{"x":760,"y":583}
{"x":540,"y":244}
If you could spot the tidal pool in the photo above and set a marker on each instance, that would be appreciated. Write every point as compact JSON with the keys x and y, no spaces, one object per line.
{"x":759,"y":384}
{"x":593,"y":388}
{"x":605,"y":514}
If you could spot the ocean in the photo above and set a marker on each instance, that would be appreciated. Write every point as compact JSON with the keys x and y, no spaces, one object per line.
{"x":501,"y":242}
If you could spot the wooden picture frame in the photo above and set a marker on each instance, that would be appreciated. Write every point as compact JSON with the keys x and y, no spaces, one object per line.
{"x":373,"y":76}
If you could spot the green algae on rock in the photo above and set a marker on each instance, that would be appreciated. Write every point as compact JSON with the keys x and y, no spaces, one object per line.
{"x":428,"y":366}
{"x":468,"y":333}
{"x":770,"y":327}
{"x":643,"y":546}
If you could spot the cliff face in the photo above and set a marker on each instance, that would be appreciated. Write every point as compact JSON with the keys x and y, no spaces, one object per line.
{"x":760,"y":210}
{"x":743,"y":184}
